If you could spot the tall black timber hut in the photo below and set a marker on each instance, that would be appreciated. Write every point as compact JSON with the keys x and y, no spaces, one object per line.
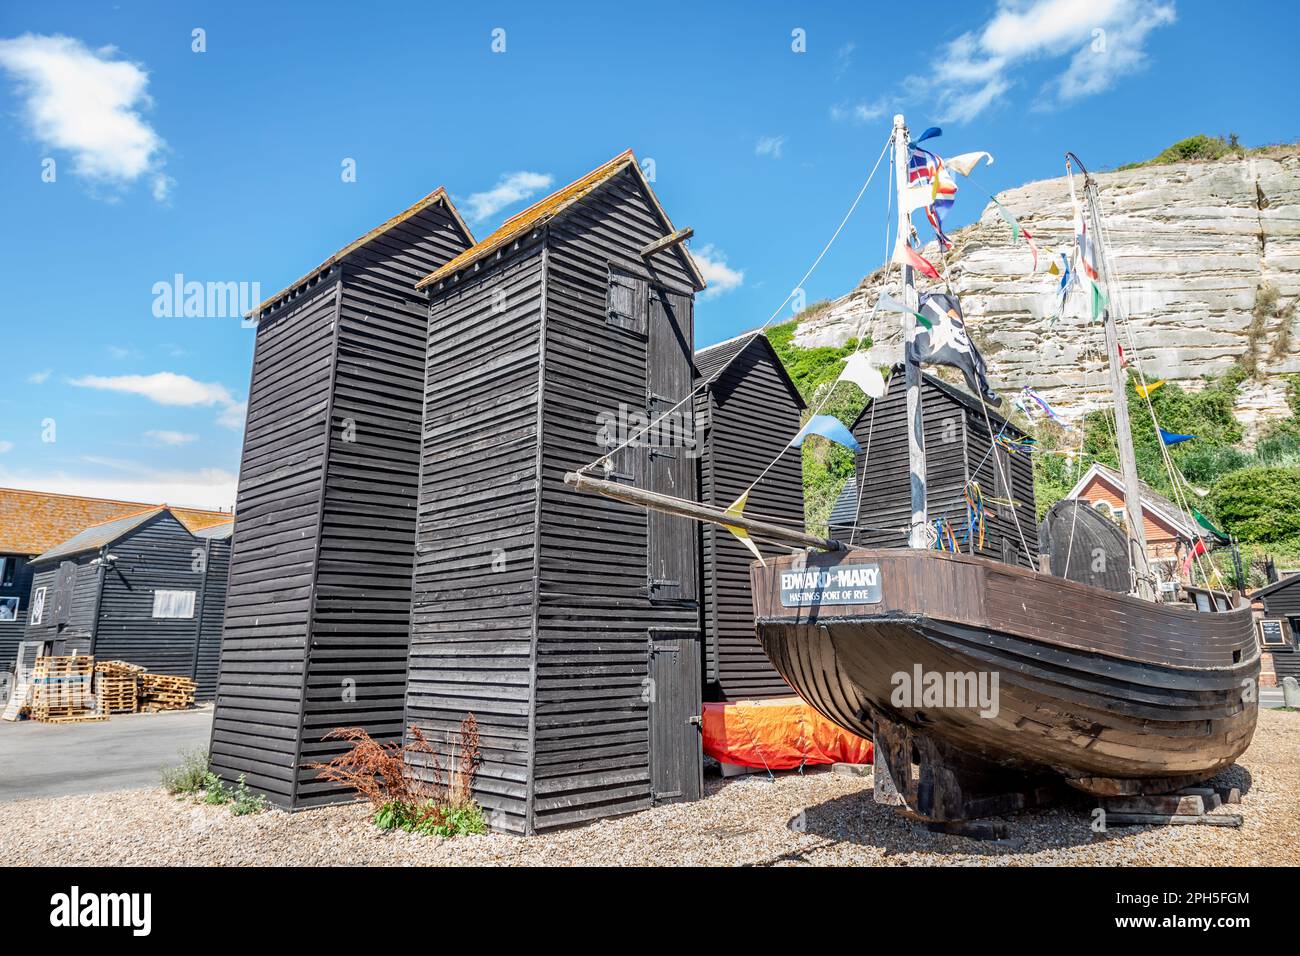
{"x":568,"y":624}
{"x":746,"y":416}
{"x":959,"y":448}
{"x":318,"y":613}
{"x":141,"y":589}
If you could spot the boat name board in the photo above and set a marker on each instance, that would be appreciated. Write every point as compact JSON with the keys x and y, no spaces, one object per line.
{"x":847,"y":584}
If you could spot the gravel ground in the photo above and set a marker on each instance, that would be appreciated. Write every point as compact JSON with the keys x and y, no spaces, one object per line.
{"x":818,"y":818}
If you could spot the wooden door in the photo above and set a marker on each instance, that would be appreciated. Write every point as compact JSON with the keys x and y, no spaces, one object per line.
{"x":676,"y":717}
{"x":669,"y":456}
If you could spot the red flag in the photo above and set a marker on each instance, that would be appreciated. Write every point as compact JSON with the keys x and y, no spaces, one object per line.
{"x":1123,"y":359}
{"x":908,"y":256}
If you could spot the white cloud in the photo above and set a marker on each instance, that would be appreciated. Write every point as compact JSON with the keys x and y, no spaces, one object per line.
{"x":233,"y":415}
{"x":122,"y":352}
{"x":862,"y":112}
{"x":172,"y":388}
{"x":6,"y":446}
{"x":773,"y":146}
{"x":165,"y":437}
{"x":1105,"y":37}
{"x":88,"y":102}
{"x":719,"y":276}
{"x":510,"y":189}
{"x":202,"y":488}
{"x":39,"y":378}
{"x":165,"y":388}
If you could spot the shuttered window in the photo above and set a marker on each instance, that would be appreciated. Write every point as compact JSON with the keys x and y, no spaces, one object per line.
{"x":173,"y":603}
{"x":38,"y":605}
{"x":626,"y":302}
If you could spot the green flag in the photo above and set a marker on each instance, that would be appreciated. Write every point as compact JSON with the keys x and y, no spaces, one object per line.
{"x":1208,"y":525}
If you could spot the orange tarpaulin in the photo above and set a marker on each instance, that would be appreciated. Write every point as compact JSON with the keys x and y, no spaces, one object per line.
{"x":778,"y":734}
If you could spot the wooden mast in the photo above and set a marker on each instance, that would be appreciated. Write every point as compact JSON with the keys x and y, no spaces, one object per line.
{"x":696,"y":511}
{"x":918,"y":536}
{"x":1118,"y":380}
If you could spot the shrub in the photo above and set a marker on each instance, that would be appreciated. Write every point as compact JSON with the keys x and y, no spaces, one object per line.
{"x":1259,"y":504}
{"x":190,"y":776}
{"x":214,"y":791}
{"x":380,"y":772}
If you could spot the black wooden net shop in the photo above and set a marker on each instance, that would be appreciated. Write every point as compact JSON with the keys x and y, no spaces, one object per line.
{"x":567,"y":623}
{"x":141,"y":589}
{"x":874,"y":509}
{"x":746,"y":415}
{"x":318,"y":613}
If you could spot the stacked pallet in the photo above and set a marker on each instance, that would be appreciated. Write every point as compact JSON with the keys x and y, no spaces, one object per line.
{"x":165,"y":692}
{"x":62,"y":690}
{"x":117,"y":687}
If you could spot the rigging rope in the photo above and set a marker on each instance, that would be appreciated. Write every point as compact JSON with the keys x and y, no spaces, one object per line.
{"x":691,"y":394}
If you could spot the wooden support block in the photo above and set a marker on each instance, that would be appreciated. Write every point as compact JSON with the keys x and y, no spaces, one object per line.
{"x":1230,"y":794}
{"x":1161,"y":819}
{"x":1171,"y":804}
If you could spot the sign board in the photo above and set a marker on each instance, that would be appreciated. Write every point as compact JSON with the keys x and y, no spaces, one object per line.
{"x":835,"y":584}
{"x":1272,"y":633}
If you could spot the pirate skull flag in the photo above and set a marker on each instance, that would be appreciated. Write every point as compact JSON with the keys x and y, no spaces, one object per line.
{"x":946,"y":343}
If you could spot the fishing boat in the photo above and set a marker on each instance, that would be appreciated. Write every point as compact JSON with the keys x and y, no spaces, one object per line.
{"x":985,"y":684}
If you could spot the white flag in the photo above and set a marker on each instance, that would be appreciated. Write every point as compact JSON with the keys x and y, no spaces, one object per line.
{"x":864,"y":375}
{"x":967,"y":161}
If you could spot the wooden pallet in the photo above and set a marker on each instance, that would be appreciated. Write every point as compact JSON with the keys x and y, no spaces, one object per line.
{"x":62,"y":690}
{"x":159,"y":692}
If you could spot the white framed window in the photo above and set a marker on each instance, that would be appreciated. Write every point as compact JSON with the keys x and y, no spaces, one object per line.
{"x":173,"y":603}
{"x":38,"y":605}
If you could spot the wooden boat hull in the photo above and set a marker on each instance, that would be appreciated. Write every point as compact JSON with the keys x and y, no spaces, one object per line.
{"x":1112,"y":693}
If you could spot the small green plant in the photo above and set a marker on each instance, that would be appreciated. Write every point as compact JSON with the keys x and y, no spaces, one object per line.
{"x":190,"y":776}
{"x":214,"y":791}
{"x":245,"y":801}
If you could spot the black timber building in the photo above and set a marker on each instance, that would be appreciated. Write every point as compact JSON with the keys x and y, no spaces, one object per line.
{"x":747,"y":411}
{"x":141,"y":589}
{"x":567,"y":623}
{"x":874,"y":509}
{"x":318,"y":613}
{"x":1281,"y":601}
{"x":33,"y":522}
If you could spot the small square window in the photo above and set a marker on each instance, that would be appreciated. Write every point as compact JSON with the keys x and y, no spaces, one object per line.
{"x":173,"y":604}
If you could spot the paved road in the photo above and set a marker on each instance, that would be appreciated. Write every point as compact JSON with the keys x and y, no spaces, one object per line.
{"x":124,"y":752}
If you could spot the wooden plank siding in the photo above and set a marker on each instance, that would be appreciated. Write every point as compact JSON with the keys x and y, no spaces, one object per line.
{"x":957,"y":449}
{"x":533,"y":606}
{"x":317,"y":622}
{"x":11,"y":632}
{"x":472,"y":618}
{"x":748,"y":415}
{"x":212,"y":616}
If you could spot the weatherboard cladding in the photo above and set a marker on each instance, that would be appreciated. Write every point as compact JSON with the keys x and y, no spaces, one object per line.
{"x":750,"y":412}
{"x":317,"y":622}
{"x":533,"y":608}
{"x":11,"y":632}
{"x":957,"y":443}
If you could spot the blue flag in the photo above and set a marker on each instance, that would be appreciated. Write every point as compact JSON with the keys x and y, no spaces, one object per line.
{"x":1169,"y":438}
{"x":828,"y":426}
{"x":930,"y":133}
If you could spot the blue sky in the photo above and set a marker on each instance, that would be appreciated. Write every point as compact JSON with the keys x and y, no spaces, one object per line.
{"x":226,"y":165}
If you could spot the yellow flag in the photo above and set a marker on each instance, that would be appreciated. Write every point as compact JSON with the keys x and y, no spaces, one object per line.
{"x":736,"y":510}
{"x":1146,"y":390}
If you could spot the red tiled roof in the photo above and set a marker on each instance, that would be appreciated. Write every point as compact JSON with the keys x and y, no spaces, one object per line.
{"x":33,"y":522}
